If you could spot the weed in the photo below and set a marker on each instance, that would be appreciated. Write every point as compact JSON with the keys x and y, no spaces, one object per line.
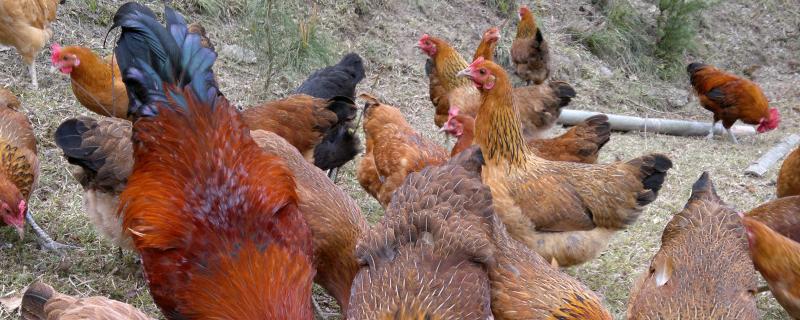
{"x":622,"y":40}
{"x":676,"y":32}
{"x":504,"y":7}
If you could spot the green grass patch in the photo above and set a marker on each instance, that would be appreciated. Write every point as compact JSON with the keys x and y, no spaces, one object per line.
{"x":676,"y":33}
{"x":506,"y":8}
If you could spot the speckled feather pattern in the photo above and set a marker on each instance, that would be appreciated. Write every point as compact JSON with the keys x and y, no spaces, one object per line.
{"x":19,"y":163}
{"x":707,"y":248}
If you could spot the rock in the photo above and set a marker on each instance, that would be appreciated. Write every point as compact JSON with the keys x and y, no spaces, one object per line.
{"x":606,"y":72}
{"x":677,"y":98}
{"x":237,"y":54}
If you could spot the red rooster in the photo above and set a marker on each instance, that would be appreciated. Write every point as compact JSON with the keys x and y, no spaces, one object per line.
{"x":731,"y":98}
{"x":214,"y":217}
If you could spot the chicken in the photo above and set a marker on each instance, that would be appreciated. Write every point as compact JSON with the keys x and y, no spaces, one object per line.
{"x":539,"y":106}
{"x":394,"y":150}
{"x":777,"y":258}
{"x":102,"y":150}
{"x":96,"y":81}
{"x":446,"y":89}
{"x":780,"y":215}
{"x":446,"y":212}
{"x":42,"y":302}
{"x":702,"y":270}
{"x":529,"y":51}
{"x":488,"y":44}
{"x":731,"y":98}
{"x":340,"y":79}
{"x":788,"y":177}
{"x":340,"y":143}
{"x":19,"y":170}
{"x":25,"y":25}
{"x":426,"y":259}
{"x":321,"y":129}
{"x":333,"y":216}
{"x":214,"y":218}
{"x":581,"y":143}
{"x":565,"y":211}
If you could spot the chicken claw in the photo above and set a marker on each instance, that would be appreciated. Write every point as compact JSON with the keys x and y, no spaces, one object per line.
{"x":45,"y":242}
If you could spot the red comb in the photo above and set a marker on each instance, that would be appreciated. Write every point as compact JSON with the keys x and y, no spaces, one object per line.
{"x":477,"y":62}
{"x":56,"y":49}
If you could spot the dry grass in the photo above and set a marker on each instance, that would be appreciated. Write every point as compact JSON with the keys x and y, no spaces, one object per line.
{"x":385,"y":35}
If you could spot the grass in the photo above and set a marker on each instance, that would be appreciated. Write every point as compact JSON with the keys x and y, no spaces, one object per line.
{"x":395,"y":72}
{"x":676,"y":32}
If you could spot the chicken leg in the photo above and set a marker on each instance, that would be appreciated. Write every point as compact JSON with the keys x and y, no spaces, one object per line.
{"x":332,"y":174}
{"x":318,"y":310}
{"x":43,"y":238}
{"x":32,"y":71}
{"x":710,"y":135}
{"x":733,"y":137}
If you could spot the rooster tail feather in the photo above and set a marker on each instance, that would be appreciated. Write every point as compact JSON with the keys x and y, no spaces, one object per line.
{"x":34,"y":299}
{"x":154,"y":58}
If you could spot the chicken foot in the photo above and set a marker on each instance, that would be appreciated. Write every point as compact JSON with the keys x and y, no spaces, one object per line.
{"x":332,"y":174}
{"x":45,"y":242}
{"x":710,"y":135}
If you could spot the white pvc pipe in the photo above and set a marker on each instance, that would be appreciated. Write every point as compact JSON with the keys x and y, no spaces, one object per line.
{"x":657,"y":125}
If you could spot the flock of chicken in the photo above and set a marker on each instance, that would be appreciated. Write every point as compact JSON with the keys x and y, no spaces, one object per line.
{"x":223,"y":205}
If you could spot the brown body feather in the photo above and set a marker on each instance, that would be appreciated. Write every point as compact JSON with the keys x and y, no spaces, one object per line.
{"x":97,"y":82}
{"x":777,"y":258}
{"x":25,"y":25}
{"x":780,"y":215}
{"x":205,"y":207}
{"x":19,"y":164}
{"x":530,"y":52}
{"x":562,"y":210}
{"x":394,"y":149}
{"x":702,"y":247}
{"x":789,"y":175}
{"x":42,"y":302}
{"x":334,"y":218}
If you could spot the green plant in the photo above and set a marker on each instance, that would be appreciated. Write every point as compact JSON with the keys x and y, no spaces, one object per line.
{"x":676,"y":32}
{"x":92,"y":5}
{"x":504,"y":7}
{"x":284,"y":38}
{"x":217,"y":8}
{"x":622,"y":40}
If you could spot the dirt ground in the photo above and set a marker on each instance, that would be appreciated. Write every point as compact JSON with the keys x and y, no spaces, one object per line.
{"x":737,"y":35}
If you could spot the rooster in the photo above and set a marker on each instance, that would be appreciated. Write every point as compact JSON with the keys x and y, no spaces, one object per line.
{"x":214,"y":218}
{"x":777,"y":258}
{"x":702,"y":270}
{"x":581,"y":143}
{"x":25,"y":25}
{"x":42,"y":302}
{"x":529,"y":51}
{"x":731,"y":98}
{"x":565,"y":211}
{"x":19,"y":170}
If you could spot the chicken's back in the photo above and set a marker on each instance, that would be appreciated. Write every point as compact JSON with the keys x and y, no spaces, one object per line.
{"x":334,"y":218}
{"x":340,"y":79}
{"x":777,"y":258}
{"x":703,"y":246}
{"x":780,"y":215}
{"x":539,"y":106}
{"x":581,"y":143}
{"x":427,"y":257}
{"x":789,"y":175}
{"x":42,"y":302}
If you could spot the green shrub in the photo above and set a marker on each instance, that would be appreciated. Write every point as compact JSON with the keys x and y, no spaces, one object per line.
{"x":506,"y":8}
{"x":622,"y":40}
{"x":676,"y":32}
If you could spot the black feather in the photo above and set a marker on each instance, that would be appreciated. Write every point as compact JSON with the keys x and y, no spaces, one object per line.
{"x":337,"y":80}
{"x":654,"y":170}
{"x":69,"y":137}
{"x":693,"y":67}
{"x":340,"y":144}
{"x":154,"y":58}
{"x":429,"y":67}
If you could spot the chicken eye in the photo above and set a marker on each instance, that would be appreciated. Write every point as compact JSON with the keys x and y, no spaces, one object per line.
{"x":482,"y":71}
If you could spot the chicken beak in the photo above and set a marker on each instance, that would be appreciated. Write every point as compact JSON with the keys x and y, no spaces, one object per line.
{"x":443,"y":129}
{"x":465,"y":73}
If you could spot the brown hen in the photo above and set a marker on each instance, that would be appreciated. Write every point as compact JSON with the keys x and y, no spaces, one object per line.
{"x":25,"y":25}
{"x":565,"y":211}
{"x":42,"y":302}
{"x":702,"y":270}
{"x":789,"y":175}
{"x":781,"y":215}
{"x":394,"y":149}
{"x":529,"y":51}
